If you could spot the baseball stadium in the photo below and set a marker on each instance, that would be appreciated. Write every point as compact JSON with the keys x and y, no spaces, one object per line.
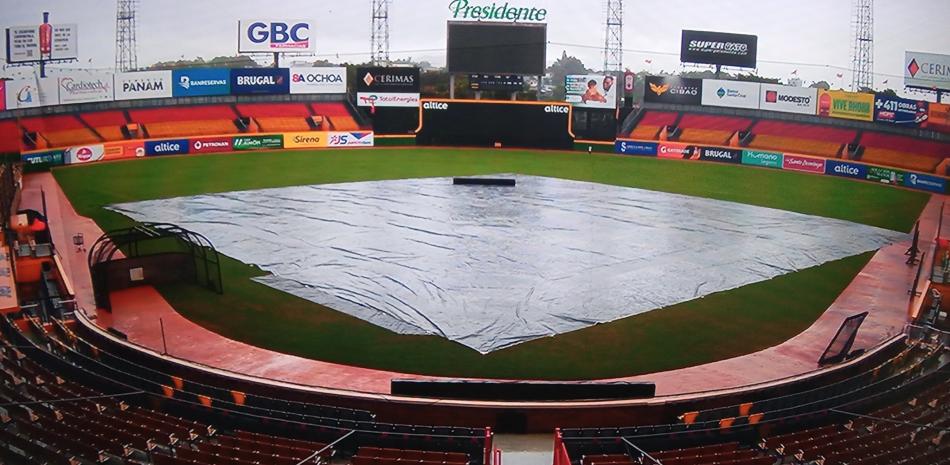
{"x":304,"y":252}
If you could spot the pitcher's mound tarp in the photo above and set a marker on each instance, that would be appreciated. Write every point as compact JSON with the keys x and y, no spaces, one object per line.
{"x":490,"y":267}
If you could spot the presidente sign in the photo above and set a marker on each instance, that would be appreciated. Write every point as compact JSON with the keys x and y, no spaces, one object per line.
{"x":463,"y":9}
{"x":927,"y":70}
{"x":718,"y":48}
{"x":274,"y":35}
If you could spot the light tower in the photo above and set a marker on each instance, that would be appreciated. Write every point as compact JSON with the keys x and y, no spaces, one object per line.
{"x":126,"y":56}
{"x":862,"y":52}
{"x":613,"y":40}
{"x":379,"y":40}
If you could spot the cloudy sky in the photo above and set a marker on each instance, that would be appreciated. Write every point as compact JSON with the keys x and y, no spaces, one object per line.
{"x":811,"y":36}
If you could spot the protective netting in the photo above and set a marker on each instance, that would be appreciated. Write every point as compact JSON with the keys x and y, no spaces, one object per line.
{"x":490,"y":267}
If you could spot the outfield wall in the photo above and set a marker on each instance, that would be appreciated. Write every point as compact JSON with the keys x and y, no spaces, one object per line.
{"x":140,"y":148}
{"x":784,"y":161}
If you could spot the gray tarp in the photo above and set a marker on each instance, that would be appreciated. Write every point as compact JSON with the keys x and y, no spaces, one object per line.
{"x":490,"y":267}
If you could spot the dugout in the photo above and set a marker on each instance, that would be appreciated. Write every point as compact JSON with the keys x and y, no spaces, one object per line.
{"x":151,"y":254}
{"x":485,"y":123}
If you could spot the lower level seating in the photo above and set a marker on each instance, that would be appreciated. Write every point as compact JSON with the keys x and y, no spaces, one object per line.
{"x":282,"y":123}
{"x":795,"y":145}
{"x":645,"y":132}
{"x":911,"y":161}
{"x":191,"y":128}
{"x":71,"y":137}
{"x":705,"y":136}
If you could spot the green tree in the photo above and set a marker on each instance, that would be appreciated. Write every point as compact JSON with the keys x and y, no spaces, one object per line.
{"x":820,"y":85}
{"x":562,"y":67}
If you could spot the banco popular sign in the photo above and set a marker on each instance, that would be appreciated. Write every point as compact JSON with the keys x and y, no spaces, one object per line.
{"x":463,"y":9}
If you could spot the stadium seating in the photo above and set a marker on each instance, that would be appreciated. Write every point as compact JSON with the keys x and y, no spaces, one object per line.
{"x":651,"y":123}
{"x":902,"y":151}
{"x":281,"y":123}
{"x":186,"y":121}
{"x":807,"y":139}
{"x":9,"y":136}
{"x":277,"y":117}
{"x":710,"y":129}
{"x":337,"y":115}
{"x":60,"y":130}
{"x":107,"y":123}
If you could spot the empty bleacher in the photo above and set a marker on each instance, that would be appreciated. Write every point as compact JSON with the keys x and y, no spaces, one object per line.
{"x":651,"y":123}
{"x":710,"y":129}
{"x":807,"y":139}
{"x":337,"y":116}
{"x":60,"y":130}
{"x":107,"y":123}
{"x":277,"y":117}
{"x":902,"y":151}
{"x":9,"y":136}
{"x":186,"y":121}
{"x":366,"y":455}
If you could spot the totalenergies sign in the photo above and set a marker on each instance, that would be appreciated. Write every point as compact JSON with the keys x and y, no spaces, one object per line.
{"x":463,"y":9}
{"x":260,"y":35}
{"x":846,"y":105}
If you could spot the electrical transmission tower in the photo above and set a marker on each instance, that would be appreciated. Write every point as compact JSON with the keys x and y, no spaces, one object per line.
{"x":379,"y":41}
{"x":613,"y":41}
{"x":862,"y":52}
{"x":126,"y":56}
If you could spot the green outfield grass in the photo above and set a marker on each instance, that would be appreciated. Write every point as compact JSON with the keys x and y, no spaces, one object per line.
{"x":719,"y":326}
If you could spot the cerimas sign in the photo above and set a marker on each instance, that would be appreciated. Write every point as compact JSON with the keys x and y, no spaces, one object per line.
{"x":274,"y":35}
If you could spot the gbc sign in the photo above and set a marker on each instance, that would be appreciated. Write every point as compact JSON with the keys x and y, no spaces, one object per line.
{"x":274,"y":36}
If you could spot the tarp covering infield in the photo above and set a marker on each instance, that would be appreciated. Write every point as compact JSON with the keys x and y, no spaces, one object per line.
{"x":489,"y":266}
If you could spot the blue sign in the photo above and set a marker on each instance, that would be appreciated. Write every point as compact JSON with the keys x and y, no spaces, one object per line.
{"x":846,"y":170}
{"x":260,"y":81}
{"x":166,"y":147}
{"x":925,"y":182}
{"x":902,"y":111}
{"x":201,"y":81}
{"x":630,"y":147}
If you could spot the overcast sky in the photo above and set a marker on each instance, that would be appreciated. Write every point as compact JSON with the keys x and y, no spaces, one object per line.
{"x":812,"y":36}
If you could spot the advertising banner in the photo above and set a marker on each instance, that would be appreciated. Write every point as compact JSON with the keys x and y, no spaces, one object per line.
{"x":123,"y":150}
{"x":318,"y":80}
{"x":671,"y":89}
{"x":209,"y":144}
{"x":195,"y":82}
{"x":927,"y":70}
{"x":846,"y":170}
{"x":84,"y":154}
{"x":246,"y":81}
{"x":938,"y":117}
{"x":900,"y":111}
{"x":274,"y":35}
{"x":805,"y":164}
{"x":3,"y":95}
{"x":802,"y":100}
{"x":166,"y":147}
{"x":387,"y":80}
{"x":143,"y":84}
{"x":720,"y":155}
{"x":925,"y":182}
{"x":674,"y":150}
{"x":370,"y":99}
{"x":350,"y":139}
{"x":49,"y":91}
{"x":629,"y":147}
{"x":85,"y":87}
{"x":26,"y":43}
{"x":885,"y":175}
{"x":273,"y":141}
{"x":733,"y":94}
{"x":591,"y":90}
{"x":49,"y":157}
{"x":302,"y":140}
{"x":718,"y":48}
{"x":763,"y":159}
{"x":22,"y":93}
{"x":846,"y":105}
